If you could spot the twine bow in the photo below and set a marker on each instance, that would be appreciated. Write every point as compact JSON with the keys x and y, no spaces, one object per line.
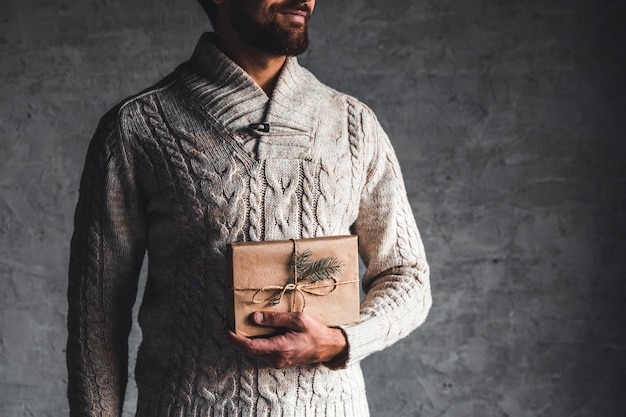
{"x":297,"y":287}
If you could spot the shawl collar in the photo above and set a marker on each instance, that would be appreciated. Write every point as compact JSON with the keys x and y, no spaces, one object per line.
{"x":227,"y":92}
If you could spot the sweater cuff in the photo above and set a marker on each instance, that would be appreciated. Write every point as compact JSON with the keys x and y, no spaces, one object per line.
{"x":363,"y":340}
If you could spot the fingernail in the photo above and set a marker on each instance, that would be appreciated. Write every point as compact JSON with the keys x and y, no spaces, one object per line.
{"x":258,"y":317}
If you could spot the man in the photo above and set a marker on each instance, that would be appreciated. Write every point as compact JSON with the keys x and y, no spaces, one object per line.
{"x":239,"y":143}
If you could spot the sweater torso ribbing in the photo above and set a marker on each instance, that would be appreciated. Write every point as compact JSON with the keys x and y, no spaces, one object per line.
{"x":202,"y":160}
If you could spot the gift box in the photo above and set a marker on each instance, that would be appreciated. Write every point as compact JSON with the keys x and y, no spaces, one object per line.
{"x":319,"y":276}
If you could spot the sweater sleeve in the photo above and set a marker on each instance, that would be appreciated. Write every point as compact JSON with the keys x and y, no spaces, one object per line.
{"x":107,"y":250}
{"x":396,"y":280}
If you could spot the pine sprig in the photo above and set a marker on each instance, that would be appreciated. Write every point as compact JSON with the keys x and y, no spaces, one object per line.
{"x":314,"y":271}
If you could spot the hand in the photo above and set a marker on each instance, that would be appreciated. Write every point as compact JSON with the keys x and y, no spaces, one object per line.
{"x":305,"y":341}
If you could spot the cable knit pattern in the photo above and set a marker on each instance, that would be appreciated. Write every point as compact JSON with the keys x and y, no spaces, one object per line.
{"x":87,"y":259}
{"x":282,"y":177}
{"x":354,"y":131}
{"x":308,"y":200}
{"x":178,"y":172}
{"x":255,"y":231}
{"x":191,"y":313}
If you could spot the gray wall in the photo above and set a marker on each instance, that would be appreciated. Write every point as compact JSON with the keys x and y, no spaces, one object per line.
{"x":507,"y":119}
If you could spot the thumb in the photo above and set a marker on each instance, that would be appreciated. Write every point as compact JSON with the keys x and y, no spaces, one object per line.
{"x":293,"y":321}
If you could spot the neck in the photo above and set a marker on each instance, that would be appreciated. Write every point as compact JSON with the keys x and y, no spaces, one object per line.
{"x":263,"y":68}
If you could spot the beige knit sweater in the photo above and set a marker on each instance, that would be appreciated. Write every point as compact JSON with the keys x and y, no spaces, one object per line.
{"x":185,"y":168}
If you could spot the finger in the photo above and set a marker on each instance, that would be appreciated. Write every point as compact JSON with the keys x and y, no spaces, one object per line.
{"x":293,"y":321}
{"x":238,"y":341}
{"x":273,"y":351}
{"x":258,"y":347}
{"x":272,"y":358}
{"x":278,"y":351}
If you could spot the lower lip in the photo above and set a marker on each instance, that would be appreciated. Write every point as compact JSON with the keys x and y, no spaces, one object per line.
{"x":295,"y":18}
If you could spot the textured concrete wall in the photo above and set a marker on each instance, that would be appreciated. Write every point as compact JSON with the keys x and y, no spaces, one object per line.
{"x":507,"y":118}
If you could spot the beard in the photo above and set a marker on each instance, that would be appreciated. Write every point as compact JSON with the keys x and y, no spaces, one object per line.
{"x":265,"y":33}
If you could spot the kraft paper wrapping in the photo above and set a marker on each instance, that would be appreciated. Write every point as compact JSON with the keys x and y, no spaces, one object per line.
{"x":262,"y":277}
